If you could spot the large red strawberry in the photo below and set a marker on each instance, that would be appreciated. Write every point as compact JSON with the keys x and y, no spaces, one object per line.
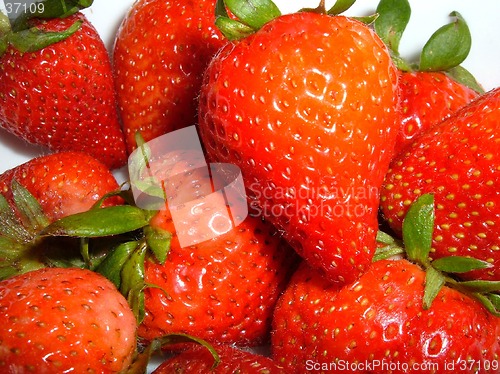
{"x":62,"y":320}
{"x":41,"y":191}
{"x":306,"y":107}
{"x":379,"y":325}
{"x":161,"y":51}
{"x":458,"y":162}
{"x":198,"y":360}
{"x":63,"y":183}
{"x":62,"y":95}
{"x":435,"y":86}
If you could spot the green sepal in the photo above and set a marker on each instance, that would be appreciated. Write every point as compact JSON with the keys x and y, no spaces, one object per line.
{"x":459,"y":264}
{"x":393,"y":18}
{"x":448,"y":47}
{"x":10,"y":226}
{"x":35,"y":39}
{"x":490,"y":301}
{"x":253,"y":13}
{"x":434,"y":281}
{"x":465,"y":77}
{"x":114,"y":220}
{"x":392,"y":247}
{"x":132,"y":280}
{"x":339,"y":7}
{"x":31,"y":213}
{"x":481,"y":286}
{"x":111,"y":266}
{"x":50,"y":9}
{"x":251,"y":16}
{"x":158,"y":241}
{"x":418,"y":226}
{"x":367,"y":20}
{"x":179,"y":338}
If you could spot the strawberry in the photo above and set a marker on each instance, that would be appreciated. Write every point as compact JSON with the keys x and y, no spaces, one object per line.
{"x":458,"y":162}
{"x":197,"y":359}
{"x":378,"y":325}
{"x":43,"y":190}
{"x":434,"y":87}
{"x":61,"y":95}
{"x":62,"y":320}
{"x":306,"y":107}
{"x":63,"y":183}
{"x":159,"y":65}
{"x":221,"y":290}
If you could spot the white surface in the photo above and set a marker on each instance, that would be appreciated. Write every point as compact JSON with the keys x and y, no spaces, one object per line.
{"x":427,"y":16}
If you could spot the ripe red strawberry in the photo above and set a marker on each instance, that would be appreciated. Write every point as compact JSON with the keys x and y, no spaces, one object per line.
{"x":306,"y":107}
{"x":159,"y":64}
{"x":426,"y":99}
{"x":378,"y":325}
{"x":434,"y":87}
{"x":221,"y":290}
{"x":198,"y":360}
{"x":63,"y":183}
{"x":458,"y":162}
{"x":62,"y":320}
{"x":62,"y":96}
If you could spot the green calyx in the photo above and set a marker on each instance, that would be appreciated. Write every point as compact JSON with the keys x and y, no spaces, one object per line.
{"x":248,"y":16}
{"x":20,"y":35}
{"x":418,"y":227}
{"x":445,"y":50}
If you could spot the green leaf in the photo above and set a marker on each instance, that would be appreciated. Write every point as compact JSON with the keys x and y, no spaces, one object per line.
{"x":448,"y":47}
{"x":10,"y":225}
{"x":418,"y":226}
{"x":490,"y":302}
{"x":32,"y":214}
{"x":177,"y":338}
{"x":463,"y":76}
{"x":367,"y":20}
{"x":132,"y":280}
{"x":340,"y":6}
{"x":232,"y":29}
{"x":253,"y":13}
{"x":481,"y":286}
{"x":111,"y":266}
{"x":113,"y":220}
{"x":384,"y":253}
{"x":158,"y":241}
{"x":34,"y":39}
{"x":459,"y":264}
{"x":434,"y":281}
{"x":393,"y":17}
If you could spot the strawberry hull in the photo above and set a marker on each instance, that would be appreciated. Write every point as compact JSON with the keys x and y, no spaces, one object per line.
{"x":306,"y":108}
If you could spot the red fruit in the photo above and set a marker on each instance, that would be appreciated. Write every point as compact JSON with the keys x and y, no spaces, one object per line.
{"x":427,"y":98}
{"x":199,"y":360}
{"x":221,"y":290}
{"x":161,"y":51}
{"x":62,"y":320}
{"x":62,"y":96}
{"x":306,"y":107}
{"x":63,"y":183}
{"x":378,"y":325}
{"x":459,"y":162}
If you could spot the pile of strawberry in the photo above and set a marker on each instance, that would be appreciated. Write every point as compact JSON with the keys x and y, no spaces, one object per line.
{"x":372,"y":242}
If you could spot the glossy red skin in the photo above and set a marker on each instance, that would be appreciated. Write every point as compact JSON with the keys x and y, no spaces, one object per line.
{"x":63,"y":183}
{"x":159,"y":65}
{"x":222,"y":290}
{"x":268,"y":103}
{"x":459,"y":162}
{"x":199,"y":360}
{"x":427,"y":98}
{"x":379,"y":320}
{"x":62,"y":320}
{"x":62,"y":97}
